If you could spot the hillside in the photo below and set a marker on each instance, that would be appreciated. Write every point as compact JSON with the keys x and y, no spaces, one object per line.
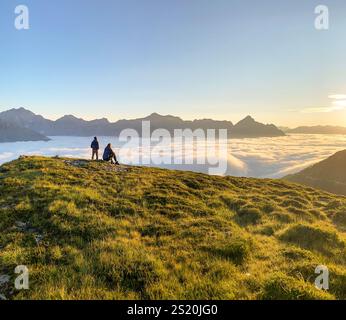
{"x":69,"y":125}
{"x":90,"y":230}
{"x":10,"y":132}
{"x":328,"y":175}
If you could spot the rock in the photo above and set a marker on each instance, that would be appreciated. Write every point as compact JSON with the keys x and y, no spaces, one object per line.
{"x":25,"y":227}
{"x":77,"y":163}
{"x":4,"y":279}
{"x":115,"y":168}
{"x":31,"y":230}
{"x":38,"y":238}
{"x":22,"y":226}
{"x":107,"y":166}
{"x":4,"y":170}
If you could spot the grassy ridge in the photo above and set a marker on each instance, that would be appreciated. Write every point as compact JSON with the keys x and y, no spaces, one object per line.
{"x":94,"y":231}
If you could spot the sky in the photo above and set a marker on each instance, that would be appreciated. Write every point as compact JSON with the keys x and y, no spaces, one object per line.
{"x":220,"y":59}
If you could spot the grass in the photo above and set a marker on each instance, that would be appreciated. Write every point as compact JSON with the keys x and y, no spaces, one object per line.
{"x":145,"y":233}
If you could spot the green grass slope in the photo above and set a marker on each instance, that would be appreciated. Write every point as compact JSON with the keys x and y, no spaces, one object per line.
{"x":89,"y":230}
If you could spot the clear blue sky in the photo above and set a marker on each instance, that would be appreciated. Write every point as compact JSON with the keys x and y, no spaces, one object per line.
{"x":219,"y":59}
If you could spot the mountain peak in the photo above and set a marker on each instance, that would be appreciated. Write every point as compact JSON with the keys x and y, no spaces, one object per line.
{"x":101,"y":120}
{"x":247,"y":119}
{"x":155,"y":115}
{"x":249,"y":127}
{"x":68,"y":117}
{"x":20,"y":110}
{"x":20,"y":116}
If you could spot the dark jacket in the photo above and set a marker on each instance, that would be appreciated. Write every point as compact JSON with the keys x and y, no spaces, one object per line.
{"x":107,"y":154}
{"x":95,"y":145}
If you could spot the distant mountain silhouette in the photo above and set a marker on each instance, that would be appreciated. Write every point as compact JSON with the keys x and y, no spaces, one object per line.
{"x":65,"y":126}
{"x":317,"y":130}
{"x":284,"y":129}
{"x":171,"y":123}
{"x":27,"y":119}
{"x":10,"y":132}
{"x":72,"y":126}
{"x":248,"y":127}
{"x":328,"y":175}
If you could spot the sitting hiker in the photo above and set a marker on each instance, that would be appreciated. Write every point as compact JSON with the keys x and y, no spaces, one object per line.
{"x":109,"y":155}
{"x":95,"y":149}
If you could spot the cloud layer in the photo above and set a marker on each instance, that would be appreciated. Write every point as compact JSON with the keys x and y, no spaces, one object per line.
{"x":264,"y":158}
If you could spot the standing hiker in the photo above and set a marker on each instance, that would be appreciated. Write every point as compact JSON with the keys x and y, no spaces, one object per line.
{"x":95,"y":149}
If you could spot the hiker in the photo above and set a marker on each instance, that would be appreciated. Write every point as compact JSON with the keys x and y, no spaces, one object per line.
{"x":95,"y":149}
{"x":109,"y":155}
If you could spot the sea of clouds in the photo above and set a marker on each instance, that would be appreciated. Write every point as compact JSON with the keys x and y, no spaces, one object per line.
{"x":261,"y":157}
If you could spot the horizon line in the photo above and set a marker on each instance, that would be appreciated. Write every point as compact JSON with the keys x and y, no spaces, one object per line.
{"x":87,"y":119}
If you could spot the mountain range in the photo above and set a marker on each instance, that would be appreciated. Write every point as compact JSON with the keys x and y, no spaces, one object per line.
{"x":10,"y":132}
{"x":69,"y":125}
{"x":328,"y":175}
{"x":316,"y":130}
